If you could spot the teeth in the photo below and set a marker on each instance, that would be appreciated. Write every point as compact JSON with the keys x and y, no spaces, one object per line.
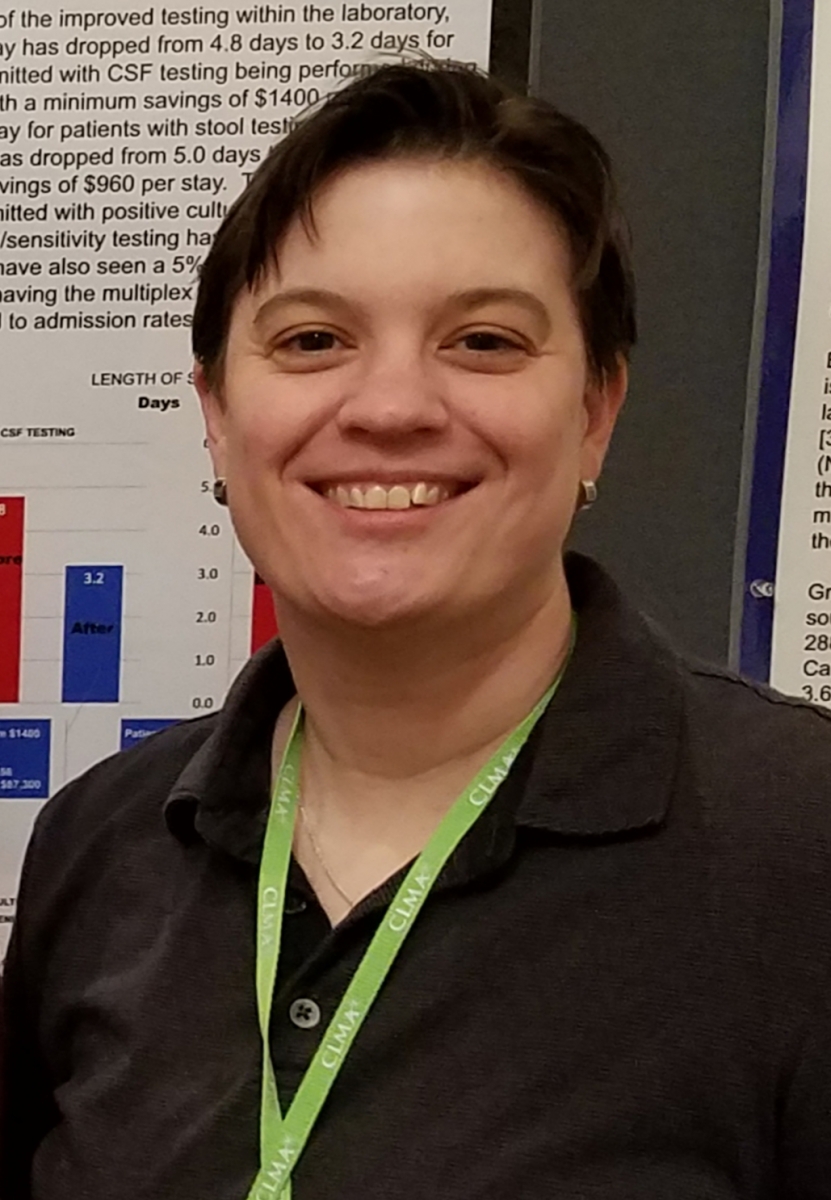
{"x":399,"y":496}
{"x":375,"y":497}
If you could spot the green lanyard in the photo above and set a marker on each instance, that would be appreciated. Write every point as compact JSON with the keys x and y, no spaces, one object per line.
{"x":282,"y":1139}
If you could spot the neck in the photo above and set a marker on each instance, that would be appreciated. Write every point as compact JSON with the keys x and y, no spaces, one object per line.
{"x":403,"y":705}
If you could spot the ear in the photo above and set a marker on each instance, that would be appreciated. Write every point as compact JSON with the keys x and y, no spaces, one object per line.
{"x":213,"y":413}
{"x":603,"y":401}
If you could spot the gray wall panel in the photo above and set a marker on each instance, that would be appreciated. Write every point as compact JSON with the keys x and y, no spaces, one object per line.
{"x":677,"y":92}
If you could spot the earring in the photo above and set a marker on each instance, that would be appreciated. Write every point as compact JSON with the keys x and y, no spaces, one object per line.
{"x":221,"y":492}
{"x":588,"y":494}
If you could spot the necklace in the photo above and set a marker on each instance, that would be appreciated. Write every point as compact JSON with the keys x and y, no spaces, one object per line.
{"x":316,"y":851}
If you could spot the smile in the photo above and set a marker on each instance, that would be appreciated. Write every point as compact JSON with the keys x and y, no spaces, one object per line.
{"x":397,"y":496}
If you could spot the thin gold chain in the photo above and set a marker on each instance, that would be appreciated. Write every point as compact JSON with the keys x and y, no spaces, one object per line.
{"x":316,"y":851}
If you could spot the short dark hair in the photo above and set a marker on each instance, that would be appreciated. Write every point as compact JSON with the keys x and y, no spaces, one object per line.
{"x":444,"y":110}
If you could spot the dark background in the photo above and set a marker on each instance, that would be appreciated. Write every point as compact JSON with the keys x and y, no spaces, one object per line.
{"x":678,"y":93}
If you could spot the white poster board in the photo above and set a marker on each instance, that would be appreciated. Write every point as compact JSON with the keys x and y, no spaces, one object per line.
{"x":785,"y":627}
{"x":125,"y":132}
{"x":801,"y":644}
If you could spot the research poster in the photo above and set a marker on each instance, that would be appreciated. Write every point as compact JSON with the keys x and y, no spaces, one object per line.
{"x":786,"y":631}
{"x":126,"y":131}
{"x":801,"y":648}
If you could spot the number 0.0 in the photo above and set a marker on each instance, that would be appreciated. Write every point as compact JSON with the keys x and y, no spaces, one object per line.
{"x":202,"y":702}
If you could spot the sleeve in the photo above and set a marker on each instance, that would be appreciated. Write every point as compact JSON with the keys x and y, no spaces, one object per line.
{"x":27,"y":1109}
{"x":805,"y":1125}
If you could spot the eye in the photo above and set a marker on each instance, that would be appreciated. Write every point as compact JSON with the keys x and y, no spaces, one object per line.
{"x":486,"y":342}
{"x":489,"y":351}
{"x":299,"y":351}
{"x":311,"y":341}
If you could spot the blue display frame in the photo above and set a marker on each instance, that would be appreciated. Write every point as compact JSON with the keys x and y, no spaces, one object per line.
{"x":25,"y":758}
{"x":781,"y":313}
{"x":134,"y":730}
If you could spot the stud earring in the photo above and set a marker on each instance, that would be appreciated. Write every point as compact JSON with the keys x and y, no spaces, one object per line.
{"x":588,"y":494}
{"x":221,"y":492}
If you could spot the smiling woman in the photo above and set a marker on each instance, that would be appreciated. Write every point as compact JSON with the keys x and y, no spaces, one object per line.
{"x":521,"y":895}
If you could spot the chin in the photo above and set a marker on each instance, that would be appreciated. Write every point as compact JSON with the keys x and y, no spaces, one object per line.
{"x":369,"y":606}
{"x":371,"y":613}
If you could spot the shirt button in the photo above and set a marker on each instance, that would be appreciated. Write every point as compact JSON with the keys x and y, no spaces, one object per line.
{"x":305,"y":1014}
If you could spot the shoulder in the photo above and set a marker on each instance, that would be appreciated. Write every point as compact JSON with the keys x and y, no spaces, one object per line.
{"x":134,"y":811}
{"x":122,"y":793}
{"x":758,"y":772}
{"x":751,"y":731}
{"x":755,"y":805}
{"x":102,"y":836}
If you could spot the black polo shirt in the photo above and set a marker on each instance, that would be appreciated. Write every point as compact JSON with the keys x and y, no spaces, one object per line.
{"x":619,"y":987}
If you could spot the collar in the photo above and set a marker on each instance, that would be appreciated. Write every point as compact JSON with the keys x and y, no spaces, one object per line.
{"x":610,"y":742}
{"x":602,"y":760}
{"x":222,"y":795}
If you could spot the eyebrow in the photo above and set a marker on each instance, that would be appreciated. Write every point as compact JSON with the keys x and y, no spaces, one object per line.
{"x":479,"y":297}
{"x":313,"y":297}
{"x":468,"y":300}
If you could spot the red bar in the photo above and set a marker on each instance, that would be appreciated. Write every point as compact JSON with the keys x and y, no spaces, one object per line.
{"x":11,"y":596}
{"x":263,"y":619}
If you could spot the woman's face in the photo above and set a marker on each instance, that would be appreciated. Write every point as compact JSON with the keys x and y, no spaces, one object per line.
{"x":406,"y":411}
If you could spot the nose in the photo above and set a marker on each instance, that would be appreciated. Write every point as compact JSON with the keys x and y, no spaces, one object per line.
{"x":397,"y":397}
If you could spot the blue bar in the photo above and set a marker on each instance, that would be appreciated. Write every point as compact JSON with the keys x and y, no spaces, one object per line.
{"x":135,"y":731}
{"x":24,"y":759}
{"x":92,"y":635}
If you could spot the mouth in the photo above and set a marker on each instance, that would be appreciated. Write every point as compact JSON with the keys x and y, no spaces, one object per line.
{"x":398,"y":496}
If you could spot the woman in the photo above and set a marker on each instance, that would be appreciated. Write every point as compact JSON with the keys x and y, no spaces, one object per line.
{"x":541,"y":909}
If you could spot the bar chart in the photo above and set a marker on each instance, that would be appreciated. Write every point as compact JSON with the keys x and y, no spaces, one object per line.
{"x":92,"y":656}
{"x":126,"y":602}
